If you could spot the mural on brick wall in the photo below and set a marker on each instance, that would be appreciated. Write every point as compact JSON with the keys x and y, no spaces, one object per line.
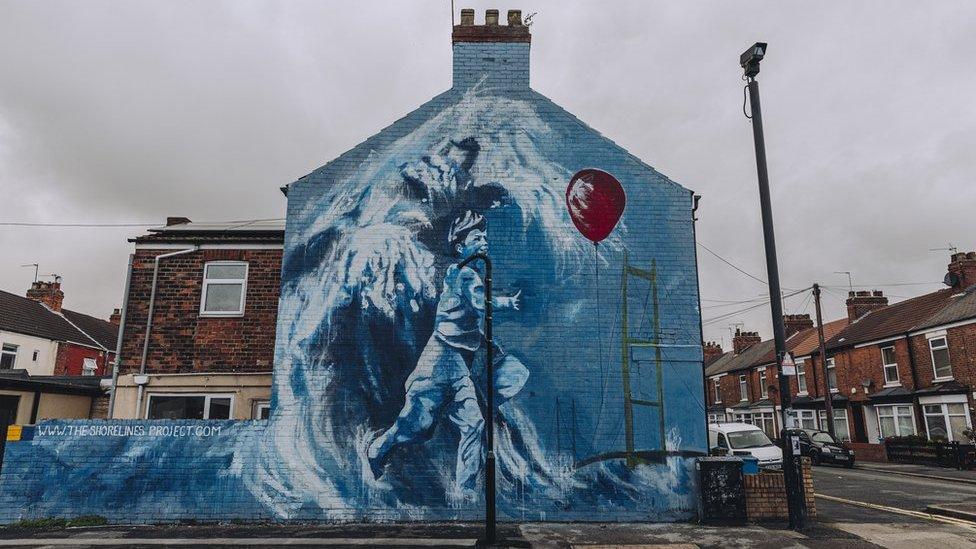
{"x":378,"y":407}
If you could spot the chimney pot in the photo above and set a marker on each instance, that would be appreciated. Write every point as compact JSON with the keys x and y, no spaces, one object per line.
{"x":963,"y":267}
{"x":491,"y":17}
{"x":514,"y":18}
{"x":970,"y":255}
{"x":863,"y":302}
{"x":467,"y":17}
{"x":48,"y":293}
{"x":850,"y":293}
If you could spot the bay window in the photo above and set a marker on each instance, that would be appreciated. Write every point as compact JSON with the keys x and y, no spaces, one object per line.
{"x":841,"y":430}
{"x":896,"y":420}
{"x":890,"y":365}
{"x":946,"y":421}
{"x":765,"y":421}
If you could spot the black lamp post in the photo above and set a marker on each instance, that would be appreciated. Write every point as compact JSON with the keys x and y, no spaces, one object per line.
{"x":794,"y":484}
{"x":490,"y":402}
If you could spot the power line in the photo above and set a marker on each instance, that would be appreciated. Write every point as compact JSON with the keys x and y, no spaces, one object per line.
{"x":730,"y":264}
{"x":724,"y":316}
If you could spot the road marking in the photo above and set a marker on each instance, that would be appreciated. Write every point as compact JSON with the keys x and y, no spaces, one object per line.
{"x":899,"y":511}
{"x":919,"y":475}
{"x":259,"y":542}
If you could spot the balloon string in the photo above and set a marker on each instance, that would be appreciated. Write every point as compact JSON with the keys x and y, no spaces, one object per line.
{"x":599,"y":311}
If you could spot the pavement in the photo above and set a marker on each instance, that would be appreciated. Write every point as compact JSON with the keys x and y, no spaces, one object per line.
{"x":924,"y":471}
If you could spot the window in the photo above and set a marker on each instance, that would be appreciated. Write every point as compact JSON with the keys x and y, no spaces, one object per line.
{"x":801,"y":377}
{"x":946,"y":421}
{"x":841,"y":430}
{"x":764,"y":420}
{"x":743,"y":388}
{"x":716,"y":418}
{"x":806,"y":419}
{"x":743,"y":417}
{"x":890,"y":365}
{"x":895,"y":421}
{"x":8,"y":356}
{"x":224,"y":288}
{"x":940,"y":357}
{"x":831,"y":375}
{"x":718,"y":389}
{"x":722,"y":443}
{"x":763,"y":386}
{"x":89,"y":367}
{"x":189,"y":406}
{"x":36,"y":352}
{"x":262,"y":410}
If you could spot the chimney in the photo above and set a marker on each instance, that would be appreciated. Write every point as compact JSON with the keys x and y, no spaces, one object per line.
{"x":48,"y":293}
{"x":862,"y":302}
{"x":962,"y":270}
{"x":744,"y":340}
{"x":493,"y":56}
{"x":796,"y":323}
{"x":170,"y":221}
{"x":711,"y":350}
{"x":116,"y":317}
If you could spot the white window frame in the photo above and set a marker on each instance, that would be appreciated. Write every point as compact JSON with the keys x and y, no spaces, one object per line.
{"x":207,"y":282}
{"x":945,"y":345}
{"x":801,"y":373}
{"x":261,"y":405}
{"x":5,"y":351}
{"x":717,"y":388}
{"x":894,"y":415}
{"x":832,"y":365}
{"x":85,"y":368}
{"x":822,"y":416}
{"x":806,"y":414}
{"x":743,"y":417}
{"x":206,"y":401}
{"x":743,"y":388}
{"x":885,"y":365}
{"x":943,"y":402}
{"x":763,"y":387}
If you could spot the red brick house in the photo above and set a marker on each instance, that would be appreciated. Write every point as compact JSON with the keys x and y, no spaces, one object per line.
{"x":892,"y":370}
{"x":199,"y":321}
{"x":42,"y":347}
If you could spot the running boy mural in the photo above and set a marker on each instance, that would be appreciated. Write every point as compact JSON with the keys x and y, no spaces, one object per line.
{"x":441,"y":384}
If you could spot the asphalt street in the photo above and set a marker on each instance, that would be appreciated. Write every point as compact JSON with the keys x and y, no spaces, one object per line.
{"x":882,"y":488}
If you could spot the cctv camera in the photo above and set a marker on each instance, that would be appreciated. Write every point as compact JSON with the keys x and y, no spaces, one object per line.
{"x":751,"y":57}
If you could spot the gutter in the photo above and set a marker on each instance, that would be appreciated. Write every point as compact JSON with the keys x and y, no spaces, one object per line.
{"x":118,"y":343}
{"x":149,"y":318}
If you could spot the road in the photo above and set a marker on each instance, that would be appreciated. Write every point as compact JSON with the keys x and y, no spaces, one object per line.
{"x":889,"y":529}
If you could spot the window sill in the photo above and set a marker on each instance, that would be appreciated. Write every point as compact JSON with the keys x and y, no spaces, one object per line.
{"x":941,"y":379}
{"x":891,"y":384}
{"x":835,"y":391}
{"x":221,"y":315}
{"x":802,"y":393}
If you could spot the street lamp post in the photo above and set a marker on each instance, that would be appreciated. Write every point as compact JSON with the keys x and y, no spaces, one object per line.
{"x":490,"y":403}
{"x":794,"y":485}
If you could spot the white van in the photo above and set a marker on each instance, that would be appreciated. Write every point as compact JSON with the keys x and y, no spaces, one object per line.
{"x":742,"y":439}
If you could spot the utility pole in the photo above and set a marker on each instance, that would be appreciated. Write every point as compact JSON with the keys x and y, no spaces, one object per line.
{"x":794,"y":483}
{"x":828,"y":396}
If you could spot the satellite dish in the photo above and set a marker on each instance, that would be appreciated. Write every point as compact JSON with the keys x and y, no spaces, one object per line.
{"x":951,"y":279}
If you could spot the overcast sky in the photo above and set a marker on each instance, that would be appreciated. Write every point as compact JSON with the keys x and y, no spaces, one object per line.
{"x":131,"y":111}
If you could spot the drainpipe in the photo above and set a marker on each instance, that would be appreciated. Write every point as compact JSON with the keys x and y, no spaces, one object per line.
{"x":149,"y":319}
{"x":118,"y":343}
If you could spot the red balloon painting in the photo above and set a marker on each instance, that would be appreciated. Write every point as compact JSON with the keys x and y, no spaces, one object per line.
{"x":596,"y":201}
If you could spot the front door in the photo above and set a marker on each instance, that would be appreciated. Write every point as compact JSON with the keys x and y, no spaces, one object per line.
{"x":8,"y":408}
{"x":857,"y":418}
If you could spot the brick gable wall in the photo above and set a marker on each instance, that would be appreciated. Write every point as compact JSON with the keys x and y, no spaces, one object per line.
{"x":182,"y":341}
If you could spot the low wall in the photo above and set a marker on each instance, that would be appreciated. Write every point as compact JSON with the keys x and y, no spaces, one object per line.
{"x":766,"y":495}
{"x":864,"y":451}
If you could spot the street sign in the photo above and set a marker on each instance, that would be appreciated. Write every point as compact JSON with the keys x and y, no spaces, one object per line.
{"x":795,"y":441}
{"x":789,"y":366}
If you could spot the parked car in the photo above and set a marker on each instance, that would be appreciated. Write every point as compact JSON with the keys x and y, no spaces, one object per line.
{"x":742,"y":439}
{"x":820,"y":447}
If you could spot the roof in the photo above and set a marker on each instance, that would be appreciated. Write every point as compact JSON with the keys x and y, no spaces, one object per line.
{"x":808,"y":342}
{"x":254,"y":231}
{"x":26,"y":316}
{"x":76,"y":385}
{"x":897,"y":319}
{"x":730,"y":362}
{"x":960,"y":306}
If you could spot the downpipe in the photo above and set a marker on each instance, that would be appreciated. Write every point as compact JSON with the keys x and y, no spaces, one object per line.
{"x":118,"y":344}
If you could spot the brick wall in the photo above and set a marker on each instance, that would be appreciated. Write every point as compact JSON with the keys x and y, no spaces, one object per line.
{"x":766,"y":495}
{"x":71,"y":358}
{"x":99,"y":407}
{"x":868,"y":452}
{"x":182,"y":340}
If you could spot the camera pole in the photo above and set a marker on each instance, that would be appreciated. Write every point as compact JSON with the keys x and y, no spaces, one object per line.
{"x":794,"y":483}
{"x":490,"y":402}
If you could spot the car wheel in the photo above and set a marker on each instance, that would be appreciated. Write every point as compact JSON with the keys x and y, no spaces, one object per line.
{"x":815,"y":458}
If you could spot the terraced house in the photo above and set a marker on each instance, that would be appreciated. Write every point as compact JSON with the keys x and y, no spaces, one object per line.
{"x":892,"y":370}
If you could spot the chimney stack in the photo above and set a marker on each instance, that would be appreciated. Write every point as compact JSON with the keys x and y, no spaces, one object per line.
{"x":962,"y":270}
{"x":862,"y":302}
{"x":492,"y":55}
{"x":711,"y":351}
{"x":48,"y":293}
{"x":116,"y":317}
{"x":796,"y":323}
{"x":744,"y":340}
{"x":176,"y":220}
